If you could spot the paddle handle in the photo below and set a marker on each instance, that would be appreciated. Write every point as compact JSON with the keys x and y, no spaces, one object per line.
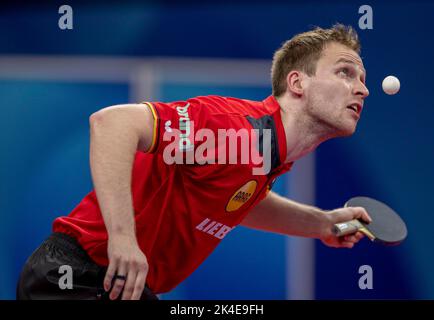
{"x":341,"y":229}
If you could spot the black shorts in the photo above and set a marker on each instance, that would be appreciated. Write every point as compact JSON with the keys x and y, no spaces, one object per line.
{"x":43,"y":277}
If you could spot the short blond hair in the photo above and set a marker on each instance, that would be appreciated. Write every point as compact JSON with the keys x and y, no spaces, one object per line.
{"x":303,"y":51}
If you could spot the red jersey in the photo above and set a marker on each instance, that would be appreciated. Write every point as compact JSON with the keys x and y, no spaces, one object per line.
{"x":183,"y":211}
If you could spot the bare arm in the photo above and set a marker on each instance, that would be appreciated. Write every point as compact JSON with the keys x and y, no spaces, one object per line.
{"x":116,"y":133}
{"x":281,"y":215}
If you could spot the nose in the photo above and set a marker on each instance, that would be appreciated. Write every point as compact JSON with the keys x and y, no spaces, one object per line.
{"x":361,"y":90}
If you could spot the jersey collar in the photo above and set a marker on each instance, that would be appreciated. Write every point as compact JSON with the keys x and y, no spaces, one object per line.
{"x":273,"y":107}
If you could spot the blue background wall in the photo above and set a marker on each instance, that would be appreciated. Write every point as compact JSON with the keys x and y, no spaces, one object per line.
{"x":44,"y":125}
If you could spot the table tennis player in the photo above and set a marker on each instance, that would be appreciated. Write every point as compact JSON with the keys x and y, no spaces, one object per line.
{"x":167,"y":190}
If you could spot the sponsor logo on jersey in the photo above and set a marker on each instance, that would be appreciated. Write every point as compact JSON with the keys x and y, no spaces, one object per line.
{"x":241,"y":196}
{"x":214,"y":228}
{"x":184,"y":127}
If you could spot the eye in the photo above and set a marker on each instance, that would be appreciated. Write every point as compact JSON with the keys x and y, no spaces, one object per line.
{"x":345,"y":72}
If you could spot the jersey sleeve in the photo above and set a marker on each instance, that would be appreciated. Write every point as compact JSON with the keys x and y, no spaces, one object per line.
{"x":175,"y":124}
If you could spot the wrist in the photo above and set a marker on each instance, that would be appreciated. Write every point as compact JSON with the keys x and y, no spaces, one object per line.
{"x":324,"y":223}
{"x":122,"y":233}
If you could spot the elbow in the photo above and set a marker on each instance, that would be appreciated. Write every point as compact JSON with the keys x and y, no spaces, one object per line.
{"x":95,"y":118}
{"x":123,"y":121}
{"x":100,"y":119}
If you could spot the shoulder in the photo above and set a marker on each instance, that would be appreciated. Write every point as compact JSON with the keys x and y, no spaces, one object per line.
{"x":221,"y":105}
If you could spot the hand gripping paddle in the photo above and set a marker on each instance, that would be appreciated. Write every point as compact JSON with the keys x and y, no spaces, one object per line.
{"x":386,"y":227}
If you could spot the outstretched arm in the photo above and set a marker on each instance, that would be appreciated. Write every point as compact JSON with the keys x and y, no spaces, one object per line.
{"x":280,"y":215}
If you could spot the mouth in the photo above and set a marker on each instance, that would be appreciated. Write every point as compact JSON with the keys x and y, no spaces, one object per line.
{"x":356,"y":107}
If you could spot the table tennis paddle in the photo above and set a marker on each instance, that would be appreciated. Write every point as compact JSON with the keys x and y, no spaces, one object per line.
{"x":386,"y":227}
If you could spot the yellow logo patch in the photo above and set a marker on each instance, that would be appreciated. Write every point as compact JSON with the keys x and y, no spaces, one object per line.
{"x":241,"y":196}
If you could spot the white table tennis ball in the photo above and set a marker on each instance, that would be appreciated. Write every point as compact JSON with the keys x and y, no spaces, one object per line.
{"x":391,"y":85}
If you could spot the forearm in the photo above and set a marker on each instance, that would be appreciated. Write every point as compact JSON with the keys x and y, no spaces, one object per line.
{"x":281,"y":215}
{"x":113,"y":144}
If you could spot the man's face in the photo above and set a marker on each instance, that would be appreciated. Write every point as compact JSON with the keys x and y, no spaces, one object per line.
{"x":336,"y":92}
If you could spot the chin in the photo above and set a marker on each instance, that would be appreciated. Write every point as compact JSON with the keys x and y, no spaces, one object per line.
{"x":341,"y":128}
{"x":346,"y":131}
{"x":350,"y":132}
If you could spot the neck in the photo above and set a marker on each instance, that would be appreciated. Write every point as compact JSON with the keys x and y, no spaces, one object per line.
{"x":303,"y":134}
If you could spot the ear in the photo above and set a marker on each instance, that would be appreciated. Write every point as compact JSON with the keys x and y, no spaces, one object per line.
{"x":294,"y":82}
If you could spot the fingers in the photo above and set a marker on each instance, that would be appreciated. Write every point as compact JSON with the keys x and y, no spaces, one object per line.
{"x":351,"y":213}
{"x":356,"y":237}
{"x":344,"y":215}
{"x":361,"y":213}
{"x":135,"y":285}
{"x":129,"y":285}
{"x":109,"y":275}
{"x":118,"y":284}
{"x":349,"y":241}
{"x":126,"y":274}
{"x":139,"y":285}
{"x":345,"y":244}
